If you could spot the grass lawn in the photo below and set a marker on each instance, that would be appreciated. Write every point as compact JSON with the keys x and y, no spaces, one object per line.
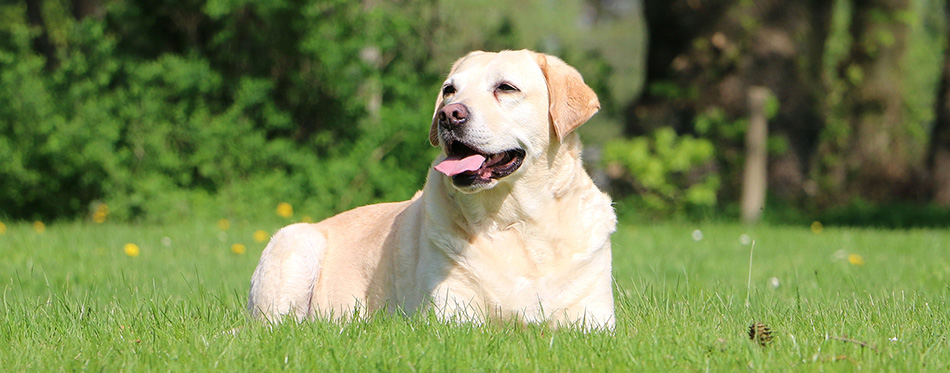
{"x":74,"y":298}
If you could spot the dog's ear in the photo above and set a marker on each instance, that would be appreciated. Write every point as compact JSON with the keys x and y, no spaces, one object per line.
{"x":570,"y":101}
{"x":434,"y":128}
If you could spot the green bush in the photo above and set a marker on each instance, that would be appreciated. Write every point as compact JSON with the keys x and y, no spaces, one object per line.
{"x":670,"y":174}
{"x":174,"y":109}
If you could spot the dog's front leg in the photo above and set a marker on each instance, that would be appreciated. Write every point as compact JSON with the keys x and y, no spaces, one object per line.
{"x":457,"y":306}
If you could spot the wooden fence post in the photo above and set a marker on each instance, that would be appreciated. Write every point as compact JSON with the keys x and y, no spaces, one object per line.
{"x":754,"y":176}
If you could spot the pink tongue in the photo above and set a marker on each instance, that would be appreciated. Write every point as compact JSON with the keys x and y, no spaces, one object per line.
{"x":452,"y":166}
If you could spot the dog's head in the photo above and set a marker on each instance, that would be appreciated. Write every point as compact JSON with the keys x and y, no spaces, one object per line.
{"x":499,"y":111}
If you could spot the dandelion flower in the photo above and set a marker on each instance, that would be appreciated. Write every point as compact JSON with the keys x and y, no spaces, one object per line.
{"x":745,"y":239}
{"x":774,"y":282}
{"x":260,"y":236}
{"x":306,"y":219}
{"x":100,"y":214}
{"x":816,"y":227}
{"x":224,"y":224}
{"x":856,"y":259}
{"x":39,"y":227}
{"x":285,"y":210}
{"x":841,"y":254}
{"x":131,"y":249}
{"x":166,"y":241}
{"x":697,"y":235}
{"x":238,"y":248}
{"x":3,"y":229}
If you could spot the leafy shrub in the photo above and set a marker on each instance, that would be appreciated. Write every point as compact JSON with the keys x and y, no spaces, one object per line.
{"x":175,"y":109}
{"x":670,"y":174}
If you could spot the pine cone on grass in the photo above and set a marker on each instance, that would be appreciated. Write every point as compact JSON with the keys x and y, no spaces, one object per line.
{"x":760,"y":333}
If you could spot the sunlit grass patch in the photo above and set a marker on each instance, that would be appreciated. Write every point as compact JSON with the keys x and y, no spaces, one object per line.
{"x":74,"y":298}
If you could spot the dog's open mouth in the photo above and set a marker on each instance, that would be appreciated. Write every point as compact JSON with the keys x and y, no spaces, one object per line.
{"x":467,"y":166}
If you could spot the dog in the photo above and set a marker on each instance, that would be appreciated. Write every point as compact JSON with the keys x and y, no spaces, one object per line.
{"x":509,"y":226}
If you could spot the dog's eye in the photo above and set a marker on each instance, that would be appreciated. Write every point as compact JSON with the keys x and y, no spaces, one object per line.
{"x":506,"y":87}
{"x":447,"y":90}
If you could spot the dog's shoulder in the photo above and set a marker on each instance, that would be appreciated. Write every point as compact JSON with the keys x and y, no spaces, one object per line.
{"x":369,"y":222}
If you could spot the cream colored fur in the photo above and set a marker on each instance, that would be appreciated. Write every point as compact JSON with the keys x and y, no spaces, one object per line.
{"x":533,"y":246}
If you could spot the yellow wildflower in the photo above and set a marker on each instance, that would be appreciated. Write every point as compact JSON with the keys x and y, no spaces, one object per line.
{"x":260,"y":236}
{"x":856,"y":259}
{"x":131,"y":249}
{"x":3,"y":229}
{"x":306,"y":219}
{"x":284,"y":209}
{"x":100,"y":214}
{"x":816,"y":227}
{"x":39,"y":227}
{"x":224,"y":224}
{"x":238,"y":248}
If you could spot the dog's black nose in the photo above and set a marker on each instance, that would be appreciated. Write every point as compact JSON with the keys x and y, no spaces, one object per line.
{"x":453,"y":116}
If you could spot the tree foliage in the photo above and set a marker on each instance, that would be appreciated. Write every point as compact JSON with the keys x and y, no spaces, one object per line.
{"x":855,"y":84}
{"x":162,"y":110}
{"x":169,"y":109}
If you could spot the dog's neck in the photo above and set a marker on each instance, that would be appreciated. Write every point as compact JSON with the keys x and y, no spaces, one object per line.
{"x":547,"y":182}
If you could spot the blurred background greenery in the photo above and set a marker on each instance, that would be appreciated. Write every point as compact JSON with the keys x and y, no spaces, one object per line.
{"x":165,"y":110}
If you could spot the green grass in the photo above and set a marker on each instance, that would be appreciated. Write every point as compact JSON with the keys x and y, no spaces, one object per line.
{"x":72,"y":299}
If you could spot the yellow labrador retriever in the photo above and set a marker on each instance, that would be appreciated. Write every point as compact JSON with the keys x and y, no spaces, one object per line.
{"x":508,"y":225}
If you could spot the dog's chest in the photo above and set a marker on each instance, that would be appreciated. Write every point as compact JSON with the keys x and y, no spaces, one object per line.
{"x":523,"y":268}
{"x":552,"y":260}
